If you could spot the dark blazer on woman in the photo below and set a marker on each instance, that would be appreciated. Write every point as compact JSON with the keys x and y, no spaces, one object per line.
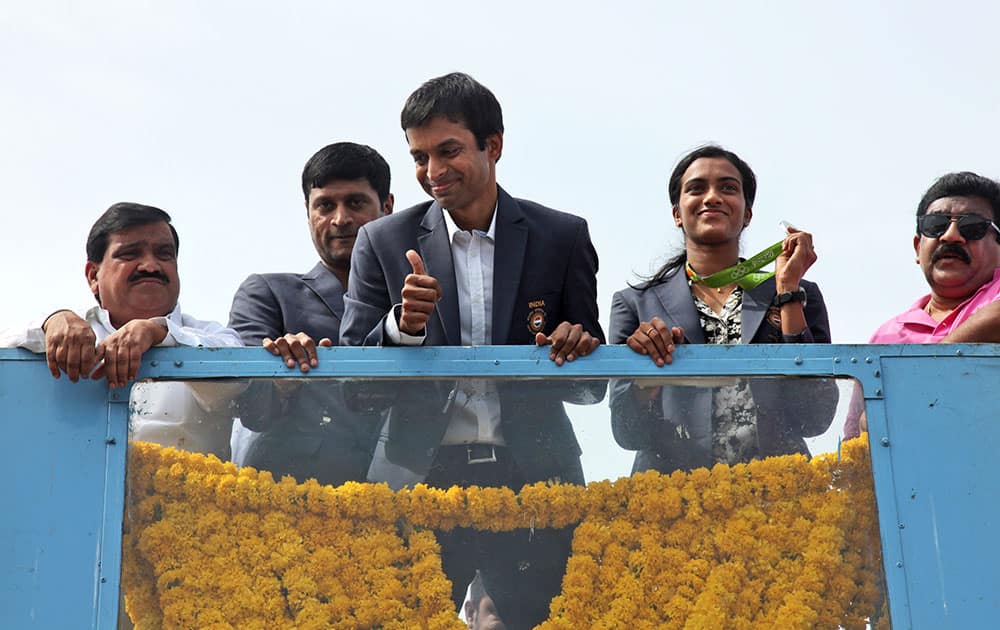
{"x":674,"y":430}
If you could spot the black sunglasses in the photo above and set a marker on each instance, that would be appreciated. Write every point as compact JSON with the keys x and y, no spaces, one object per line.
{"x":972,"y":227}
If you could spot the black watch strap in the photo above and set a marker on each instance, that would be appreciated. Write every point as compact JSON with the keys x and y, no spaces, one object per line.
{"x":790,"y":296}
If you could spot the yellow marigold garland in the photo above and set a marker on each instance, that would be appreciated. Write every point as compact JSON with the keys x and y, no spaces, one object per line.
{"x":210,"y":546}
{"x":778,"y":543}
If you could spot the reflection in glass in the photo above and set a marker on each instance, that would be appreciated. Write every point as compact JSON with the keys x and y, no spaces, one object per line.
{"x":305,"y":429}
{"x":489,"y":433}
{"x":772,"y":533}
{"x":730,"y":420}
{"x":192,"y":416}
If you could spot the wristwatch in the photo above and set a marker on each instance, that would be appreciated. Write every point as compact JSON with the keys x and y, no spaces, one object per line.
{"x":790,"y":296}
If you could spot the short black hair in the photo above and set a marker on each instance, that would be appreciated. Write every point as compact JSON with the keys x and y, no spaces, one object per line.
{"x":459,"y":98}
{"x":121,"y":216}
{"x":963,"y":184}
{"x":712,"y":151}
{"x":347,"y":161}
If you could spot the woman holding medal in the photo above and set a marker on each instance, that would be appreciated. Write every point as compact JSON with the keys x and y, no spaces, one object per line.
{"x":707,"y":294}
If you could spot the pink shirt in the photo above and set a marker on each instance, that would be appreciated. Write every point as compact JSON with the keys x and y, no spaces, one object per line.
{"x":916,"y":326}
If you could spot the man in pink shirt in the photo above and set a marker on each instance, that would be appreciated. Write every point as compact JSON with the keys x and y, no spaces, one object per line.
{"x":958,"y":248}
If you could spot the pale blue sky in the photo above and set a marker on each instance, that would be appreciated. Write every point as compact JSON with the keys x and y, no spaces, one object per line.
{"x":847,"y":112}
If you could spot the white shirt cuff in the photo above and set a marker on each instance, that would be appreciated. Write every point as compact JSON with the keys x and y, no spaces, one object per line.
{"x":169,"y":339}
{"x":32,"y":339}
{"x":397,"y":336}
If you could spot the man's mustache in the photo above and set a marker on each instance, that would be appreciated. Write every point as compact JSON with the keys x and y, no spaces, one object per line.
{"x":143,"y":275}
{"x":347,"y":234}
{"x":950,"y":250}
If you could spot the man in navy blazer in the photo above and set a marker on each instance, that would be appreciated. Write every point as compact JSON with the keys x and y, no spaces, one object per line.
{"x":305,"y":429}
{"x":476,"y":267}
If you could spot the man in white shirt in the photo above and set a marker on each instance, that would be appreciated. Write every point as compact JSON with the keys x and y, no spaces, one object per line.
{"x":474,"y":267}
{"x":132,"y":271}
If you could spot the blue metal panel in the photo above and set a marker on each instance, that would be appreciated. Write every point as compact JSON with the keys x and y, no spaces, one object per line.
{"x":62,"y":499}
{"x":931,"y":411}
{"x":606,"y":361}
{"x":943,"y":435}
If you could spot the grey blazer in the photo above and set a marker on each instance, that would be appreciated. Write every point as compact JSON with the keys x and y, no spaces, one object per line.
{"x":307,"y":430}
{"x":272,"y":304}
{"x":788,"y":409}
{"x":545,"y":272}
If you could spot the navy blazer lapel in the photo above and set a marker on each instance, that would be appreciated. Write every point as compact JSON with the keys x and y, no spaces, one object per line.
{"x":508,"y":261}
{"x":678,"y":306}
{"x":326,"y":285}
{"x":756,"y":301}
{"x":435,"y":250}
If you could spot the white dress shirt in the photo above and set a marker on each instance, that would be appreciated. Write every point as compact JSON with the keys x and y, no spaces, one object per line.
{"x":171,"y":413}
{"x":182,"y":330}
{"x":474,"y":403}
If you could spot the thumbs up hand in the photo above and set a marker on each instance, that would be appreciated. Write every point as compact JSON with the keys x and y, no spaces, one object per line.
{"x":420,"y":293}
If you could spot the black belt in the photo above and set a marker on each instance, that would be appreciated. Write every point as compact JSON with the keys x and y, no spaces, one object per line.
{"x":474,"y":453}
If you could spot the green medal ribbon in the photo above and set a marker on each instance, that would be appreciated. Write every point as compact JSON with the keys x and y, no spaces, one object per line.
{"x":746,"y":273}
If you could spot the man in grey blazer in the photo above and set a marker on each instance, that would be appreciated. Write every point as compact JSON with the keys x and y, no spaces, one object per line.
{"x":476,"y":267}
{"x":304,"y":428}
